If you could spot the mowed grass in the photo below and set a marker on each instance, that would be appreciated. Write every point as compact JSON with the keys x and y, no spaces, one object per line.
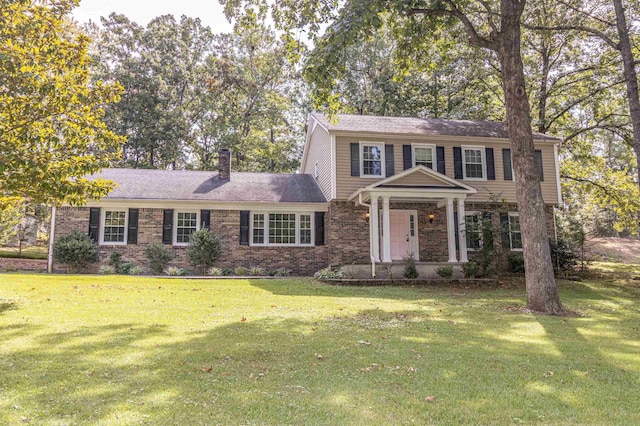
{"x":131,"y":350}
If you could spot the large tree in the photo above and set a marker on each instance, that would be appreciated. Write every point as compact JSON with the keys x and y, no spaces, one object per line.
{"x":51,"y":129}
{"x":493,"y":26}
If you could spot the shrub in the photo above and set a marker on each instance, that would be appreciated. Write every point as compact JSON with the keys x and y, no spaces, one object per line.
{"x":410,"y":270}
{"x":516,"y":263}
{"x":158,"y":257}
{"x":281,"y":272}
{"x":203,"y":249}
{"x":444,"y":271}
{"x":470,"y":269}
{"x":214,"y":272}
{"x":240,"y":271}
{"x":115,"y":260}
{"x":227,"y":272}
{"x":75,"y":250}
{"x":107,"y":270}
{"x":256,"y":271}
{"x":125,"y":268}
{"x":564,"y":258}
{"x":136,"y":270}
{"x":329,"y":273}
{"x":174,"y":271}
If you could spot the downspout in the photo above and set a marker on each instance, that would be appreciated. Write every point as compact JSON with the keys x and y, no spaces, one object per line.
{"x":372,"y":258}
{"x":52,"y":231}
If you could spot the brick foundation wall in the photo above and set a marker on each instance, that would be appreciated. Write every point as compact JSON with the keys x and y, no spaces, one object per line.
{"x":226,"y":225}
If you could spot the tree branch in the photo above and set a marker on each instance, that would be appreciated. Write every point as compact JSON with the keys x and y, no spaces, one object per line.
{"x":588,"y":30}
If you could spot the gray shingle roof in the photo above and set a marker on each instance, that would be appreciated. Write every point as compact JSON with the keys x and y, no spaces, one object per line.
{"x":418,"y":126}
{"x":145,"y":184}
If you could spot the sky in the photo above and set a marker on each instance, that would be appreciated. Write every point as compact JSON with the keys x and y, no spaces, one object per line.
{"x":142,"y":11}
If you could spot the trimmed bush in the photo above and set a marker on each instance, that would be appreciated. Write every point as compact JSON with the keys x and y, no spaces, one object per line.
{"x":410,"y":270}
{"x":203,"y":249}
{"x":470,"y":269}
{"x":76,"y":250}
{"x":445,"y":271}
{"x":158,"y":257}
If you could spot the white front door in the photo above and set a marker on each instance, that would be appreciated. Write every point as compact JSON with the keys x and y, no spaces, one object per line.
{"x":400,"y":234}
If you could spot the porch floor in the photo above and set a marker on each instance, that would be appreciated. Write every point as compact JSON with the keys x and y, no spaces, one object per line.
{"x":427,"y":270}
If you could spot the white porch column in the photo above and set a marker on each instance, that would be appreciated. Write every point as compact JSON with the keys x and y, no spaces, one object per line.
{"x":386,"y":231}
{"x":462,"y":234}
{"x":451,"y":232}
{"x":374,"y":229}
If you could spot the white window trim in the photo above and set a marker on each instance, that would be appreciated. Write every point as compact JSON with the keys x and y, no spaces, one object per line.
{"x":424,"y":145}
{"x":464,"y":162}
{"x":266,"y":229}
{"x":514,"y":214}
{"x":175,"y":225}
{"x":474,"y":213}
{"x":103,"y":217}
{"x":382,"y":159}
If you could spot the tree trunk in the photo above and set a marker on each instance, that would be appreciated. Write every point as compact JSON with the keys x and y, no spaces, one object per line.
{"x":630,"y":77}
{"x":542,"y":293}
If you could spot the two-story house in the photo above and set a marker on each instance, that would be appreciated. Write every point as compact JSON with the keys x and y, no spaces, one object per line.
{"x":370,"y":190}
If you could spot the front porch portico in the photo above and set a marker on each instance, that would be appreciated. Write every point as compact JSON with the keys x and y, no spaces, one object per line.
{"x":387,"y":226}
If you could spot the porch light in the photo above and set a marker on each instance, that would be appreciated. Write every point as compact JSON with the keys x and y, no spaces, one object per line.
{"x":367,"y":215}
{"x":431,"y":217}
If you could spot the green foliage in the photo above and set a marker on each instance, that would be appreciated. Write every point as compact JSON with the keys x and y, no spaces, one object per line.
{"x":444,"y":271}
{"x":174,"y":271}
{"x":158,"y":257}
{"x":214,"y":272}
{"x":203,"y":249}
{"x":10,"y":218}
{"x":136,"y":270}
{"x":76,"y":250}
{"x":410,"y":270}
{"x":515,"y":262}
{"x":240,"y":271}
{"x":107,"y":270}
{"x":281,"y":272}
{"x":115,"y":260}
{"x":51,"y":129}
{"x":563,"y":256}
{"x":257,"y":271}
{"x":330,"y":273}
{"x":227,"y":272}
{"x":470,"y":269}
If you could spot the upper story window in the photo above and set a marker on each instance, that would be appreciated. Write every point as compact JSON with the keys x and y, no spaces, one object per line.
{"x":186,"y":224}
{"x":372,"y":159}
{"x":515,"y":235}
{"x":423,"y":155}
{"x":282,"y":229}
{"x":114,"y":226}
{"x":473,"y":163}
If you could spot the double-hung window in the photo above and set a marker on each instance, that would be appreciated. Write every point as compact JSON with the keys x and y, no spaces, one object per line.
{"x":281,"y":229}
{"x":372,"y":156}
{"x":515,"y":235}
{"x":114,"y":227}
{"x":474,"y":163}
{"x":423,"y":155}
{"x":186,"y":224}
{"x":473,"y":228}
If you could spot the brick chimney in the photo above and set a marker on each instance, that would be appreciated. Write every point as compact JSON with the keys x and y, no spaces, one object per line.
{"x":224,"y":164}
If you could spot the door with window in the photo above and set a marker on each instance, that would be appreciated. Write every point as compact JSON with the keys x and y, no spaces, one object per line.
{"x":403,"y":234}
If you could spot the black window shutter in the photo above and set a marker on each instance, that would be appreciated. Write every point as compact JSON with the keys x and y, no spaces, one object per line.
{"x":132,"y":231}
{"x":205,"y":219}
{"x":506,"y":164}
{"x":167,"y":226}
{"x":440,"y":160}
{"x":388,"y":160}
{"x":491,"y":168}
{"x":487,"y":230}
{"x":319,"y":228}
{"x":407,"y":161}
{"x":244,"y":227}
{"x":504,"y":228}
{"x":94,"y":223}
{"x":355,"y":159}
{"x":457,"y":162}
{"x":539,"y":162}
{"x":455,"y":229}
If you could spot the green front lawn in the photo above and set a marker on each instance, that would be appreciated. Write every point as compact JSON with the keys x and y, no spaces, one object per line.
{"x":29,"y":252}
{"x":123,"y":350}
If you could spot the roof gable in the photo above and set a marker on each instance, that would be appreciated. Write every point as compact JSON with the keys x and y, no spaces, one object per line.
{"x":421,"y":177}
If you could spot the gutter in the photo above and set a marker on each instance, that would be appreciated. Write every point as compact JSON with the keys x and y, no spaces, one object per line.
{"x":52,"y":231}
{"x":371,"y":256}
